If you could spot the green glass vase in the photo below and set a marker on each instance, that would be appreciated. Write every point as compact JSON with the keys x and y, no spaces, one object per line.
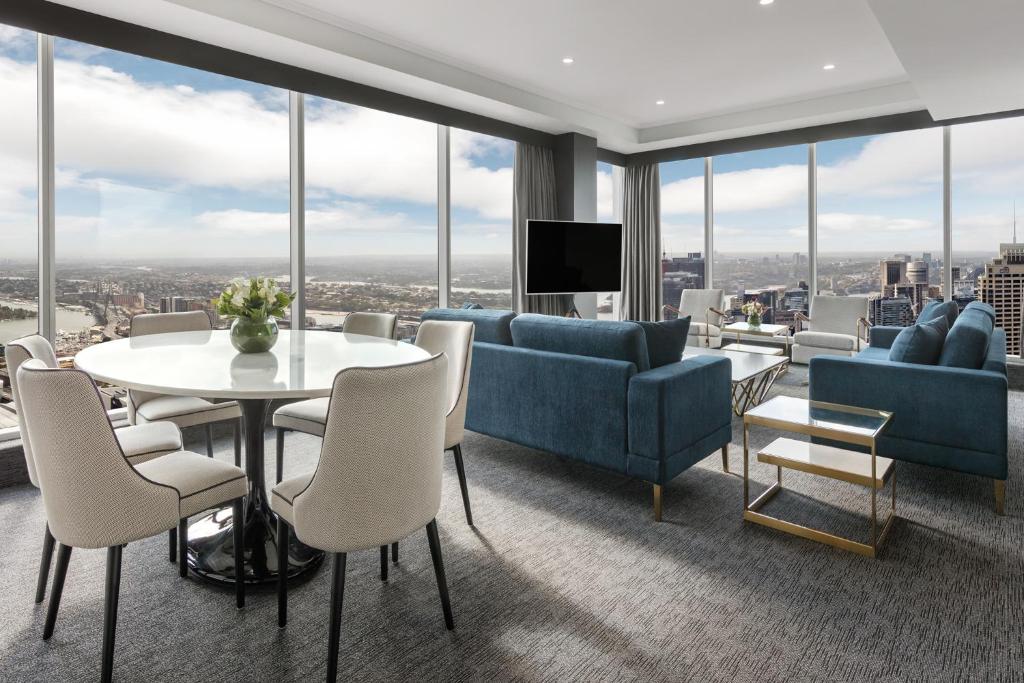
{"x":253,"y":336}
{"x":754,"y":320}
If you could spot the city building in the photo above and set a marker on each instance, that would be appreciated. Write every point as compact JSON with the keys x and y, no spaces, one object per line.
{"x":1002,"y":286}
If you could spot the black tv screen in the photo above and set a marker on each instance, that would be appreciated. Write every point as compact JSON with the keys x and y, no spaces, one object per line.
{"x":565,"y":257}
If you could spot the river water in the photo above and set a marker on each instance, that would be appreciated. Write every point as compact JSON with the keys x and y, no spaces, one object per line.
{"x":67,"y":319}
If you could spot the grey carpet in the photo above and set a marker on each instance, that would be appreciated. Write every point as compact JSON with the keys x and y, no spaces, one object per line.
{"x":567,"y":577}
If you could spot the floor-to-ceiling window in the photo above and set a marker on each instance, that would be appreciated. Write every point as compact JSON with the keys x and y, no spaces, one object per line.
{"x":988,"y":196}
{"x":760,"y":224}
{"x":607,"y":302}
{"x":682,"y":229}
{"x":19,"y":284}
{"x":371,"y":214}
{"x":481,"y":219}
{"x":170,"y":182}
{"x":880,"y":221}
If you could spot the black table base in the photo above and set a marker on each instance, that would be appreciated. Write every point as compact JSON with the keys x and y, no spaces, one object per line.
{"x":210,"y":542}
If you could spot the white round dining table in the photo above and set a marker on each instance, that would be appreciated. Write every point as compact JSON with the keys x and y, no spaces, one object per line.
{"x":301,"y":365}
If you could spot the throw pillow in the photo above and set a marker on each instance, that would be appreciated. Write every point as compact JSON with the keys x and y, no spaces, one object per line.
{"x":920,"y":343}
{"x":935,"y":308}
{"x":469,"y":306}
{"x":665,"y":340}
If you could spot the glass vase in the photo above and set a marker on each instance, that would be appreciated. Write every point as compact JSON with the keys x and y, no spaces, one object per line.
{"x":754,"y":320}
{"x":253,"y":336}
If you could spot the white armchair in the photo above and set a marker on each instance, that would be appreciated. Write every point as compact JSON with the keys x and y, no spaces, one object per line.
{"x":706,"y":308}
{"x":833,"y":328}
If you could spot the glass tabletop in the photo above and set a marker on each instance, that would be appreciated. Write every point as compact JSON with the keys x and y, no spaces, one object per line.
{"x":820,"y":419}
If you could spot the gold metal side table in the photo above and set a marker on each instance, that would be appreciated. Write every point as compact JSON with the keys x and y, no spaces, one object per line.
{"x":845,"y":424}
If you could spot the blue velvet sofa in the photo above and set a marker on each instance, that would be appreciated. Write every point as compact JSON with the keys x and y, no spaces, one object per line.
{"x":946,"y":415}
{"x":584,"y":389}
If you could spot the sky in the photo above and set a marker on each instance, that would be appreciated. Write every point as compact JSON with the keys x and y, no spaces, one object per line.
{"x":154,"y":158}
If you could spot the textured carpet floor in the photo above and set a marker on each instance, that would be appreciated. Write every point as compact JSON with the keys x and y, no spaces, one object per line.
{"x":567,"y":577}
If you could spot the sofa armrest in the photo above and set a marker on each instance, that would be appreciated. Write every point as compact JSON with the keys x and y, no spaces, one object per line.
{"x":954,"y":407}
{"x":882,"y":336}
{"x":676,"y":405}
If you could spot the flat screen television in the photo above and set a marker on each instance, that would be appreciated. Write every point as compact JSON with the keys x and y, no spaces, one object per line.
{"x":568,"y":257}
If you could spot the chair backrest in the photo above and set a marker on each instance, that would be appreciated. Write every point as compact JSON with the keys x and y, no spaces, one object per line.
{"x":837,"y":314}
{"x":93,"y":497}
{"x":162,"y":323}
{"x":18,"y":351}
{"x":371,"y":324}
{"x":696,"y":302}
{"x":455,"y":340}
{"x":379,"y":474}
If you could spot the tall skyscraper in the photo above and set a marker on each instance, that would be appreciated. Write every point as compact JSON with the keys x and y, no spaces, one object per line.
{"x":893,"y":272}
{"x":917,"y":272}
{"x":894,"y":311}
{"x":1002,"y":286}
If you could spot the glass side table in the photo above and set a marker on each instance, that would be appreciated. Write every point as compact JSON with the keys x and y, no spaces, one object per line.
{"x":845,"y":424}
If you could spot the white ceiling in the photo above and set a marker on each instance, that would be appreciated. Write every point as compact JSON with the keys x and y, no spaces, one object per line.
{"x":723,"y":67}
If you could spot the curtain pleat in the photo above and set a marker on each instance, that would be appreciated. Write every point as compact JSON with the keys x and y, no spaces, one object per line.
{"x":641,"y":258}
{"x":533,"y":197}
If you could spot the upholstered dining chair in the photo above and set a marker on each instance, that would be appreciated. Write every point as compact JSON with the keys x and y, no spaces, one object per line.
{"x":95,"y":498}
{"x":706,"y":308}
{"x":378,"y":478}
{"x":139,"y":443}
{"x":184,"y":411}
{"x":310,"y":415}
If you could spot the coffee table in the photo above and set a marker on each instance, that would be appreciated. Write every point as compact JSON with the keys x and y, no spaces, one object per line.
{"x":762,"y":330}
{"x":753,"y":374}
{"x":846,"y":424}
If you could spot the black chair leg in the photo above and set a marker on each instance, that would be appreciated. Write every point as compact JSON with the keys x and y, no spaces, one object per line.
{"x":337,"y":598}
{"x":394,"y":552}
{"x":457,"y":451}
{"x":280,"y":455}
{"x":442,"y":583}
{"x":383,"y":563}
{"x":59,"y":572}
{"x":183,"y":548}
{"x":282,"y":572}
{"x":209,"y":440}
{"x":238,"y":442}
{"x":113,"y":591}
{"x":238,"y":533}
{"x":172,"y":544}
{"x":44,"y":564}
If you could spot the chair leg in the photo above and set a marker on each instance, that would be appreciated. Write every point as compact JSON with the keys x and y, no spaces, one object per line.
{"x":238,"y":533}
{"x":113,"y":591}
{"x":59,"y":572}
{"x":282,"y":572}
{"x":725,"y":458}
{"x":172,"y":544}
{"x":183,"y":548}
{"x":44,"y":564}
{"x":999,"y":488}
{"x":383,"y":563}
{"x":337,"y":599}
{"x":280,"y":454}
{"x":209,"y":440}
{"x":394,"y":552}
{"x":442,"y":583}
{"x":657,"y":502}
{"x":460,"y":468}
{"x":238,"y":441}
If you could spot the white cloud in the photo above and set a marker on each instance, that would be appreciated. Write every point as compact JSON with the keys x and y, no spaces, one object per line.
{"x":342,"y":217}
{"x":605,"y":192}
{"x":854,"y":223}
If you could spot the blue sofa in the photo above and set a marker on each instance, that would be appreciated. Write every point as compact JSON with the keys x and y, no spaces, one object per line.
{"x":945,"y":415}
{"x":584,"y":389}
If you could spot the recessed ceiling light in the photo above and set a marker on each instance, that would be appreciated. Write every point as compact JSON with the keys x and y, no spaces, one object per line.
{"x":829,"y":67}
{"x":766,"y":2}
{"x":660,"y":102}
{"x":567,"y":60}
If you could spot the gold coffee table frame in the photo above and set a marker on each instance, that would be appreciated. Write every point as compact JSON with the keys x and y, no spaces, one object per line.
{"x":773,"y":414}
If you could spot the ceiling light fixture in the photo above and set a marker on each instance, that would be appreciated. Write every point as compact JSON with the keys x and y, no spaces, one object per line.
{"x":766,"y":2}
{"x":829,"y":67}
{"x":567,"y":60}
{"x":660,"y":102}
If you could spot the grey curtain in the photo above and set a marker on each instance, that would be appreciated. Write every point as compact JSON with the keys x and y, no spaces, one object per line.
{"x":533,"y":197}
{"x":641,"y":243}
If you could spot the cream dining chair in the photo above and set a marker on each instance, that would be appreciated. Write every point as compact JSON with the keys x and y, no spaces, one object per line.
{"x":95,"y":498}
{"x":310,"y":415}
{"x":378,"y":479}
{"x":184,"y":411}
{"x":139,"y":443}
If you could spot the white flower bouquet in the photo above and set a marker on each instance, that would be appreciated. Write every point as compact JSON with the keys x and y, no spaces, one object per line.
{"x":256,"y":298}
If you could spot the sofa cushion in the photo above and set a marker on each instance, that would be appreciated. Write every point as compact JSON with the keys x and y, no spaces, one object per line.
{"x":470,"y":306}
{"x":665,"y":340}
{"x":968,"y":340}
{"x":595,"y":338}
{"x":984,"y":308}
{"x":935,"y":308}
{"x":874,"y":353}
{"x":490,"y":325}
{"x":826,"y":340}
{"x":920,"y":343}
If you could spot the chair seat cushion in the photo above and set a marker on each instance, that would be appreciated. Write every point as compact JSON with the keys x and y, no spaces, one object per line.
{"x":201,"y":482}
{"x":186,"y":411}
{"x":308,"y":417}
{"x":826,"y":340}
{"x":147,"y":441}
{"x":282,"y":498}
{"x":703,"y":329}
